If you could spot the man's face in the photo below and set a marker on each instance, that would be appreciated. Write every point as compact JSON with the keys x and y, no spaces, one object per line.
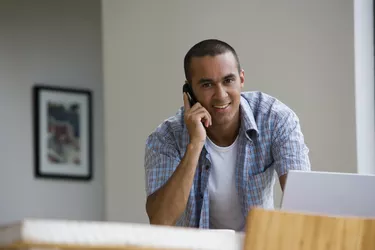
{"x":217,"y":86}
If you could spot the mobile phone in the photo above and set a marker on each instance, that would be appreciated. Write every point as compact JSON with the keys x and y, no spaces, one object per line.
{"x":188,"y":90}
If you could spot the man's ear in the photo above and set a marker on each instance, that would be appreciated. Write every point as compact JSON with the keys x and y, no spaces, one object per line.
{"x":242,"y":78}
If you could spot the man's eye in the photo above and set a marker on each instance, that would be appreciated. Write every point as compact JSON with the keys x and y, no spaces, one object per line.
{"x":206,"y":85}
{"x":229,"y":80}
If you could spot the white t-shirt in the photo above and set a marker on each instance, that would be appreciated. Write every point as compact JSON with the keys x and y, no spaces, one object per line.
{"x":225,"y":207}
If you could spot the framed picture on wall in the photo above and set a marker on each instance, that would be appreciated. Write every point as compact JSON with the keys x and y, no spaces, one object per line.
{"x":62,"y":133}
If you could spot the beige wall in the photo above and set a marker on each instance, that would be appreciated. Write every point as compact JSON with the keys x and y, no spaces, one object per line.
{"x":302,"y":52}
{"x":56,"y":43}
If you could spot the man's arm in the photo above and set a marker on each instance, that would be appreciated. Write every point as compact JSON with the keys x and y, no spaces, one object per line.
{"x":289,"y":149}
{"x":166,"y":205}
{"x":282,"y":180}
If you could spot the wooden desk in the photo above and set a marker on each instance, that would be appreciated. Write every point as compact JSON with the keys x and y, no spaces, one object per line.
{"x":276,"y":230}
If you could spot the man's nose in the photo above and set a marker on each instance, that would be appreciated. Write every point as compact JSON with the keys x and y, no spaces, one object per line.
{"x":220,"y":92}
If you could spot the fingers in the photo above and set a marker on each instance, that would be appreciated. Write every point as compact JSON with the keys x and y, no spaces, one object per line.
{"x":186,"y":103}
{"x":204,"y":115}
{"x":201,"y":114}
{"x":206,"y":119}
{"x":197,"y":112}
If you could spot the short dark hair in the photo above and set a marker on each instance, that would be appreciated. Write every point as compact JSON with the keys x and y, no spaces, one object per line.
{"x":209,"y":47}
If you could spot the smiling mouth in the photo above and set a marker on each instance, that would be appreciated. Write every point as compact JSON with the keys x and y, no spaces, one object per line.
{"x":222,"y":106}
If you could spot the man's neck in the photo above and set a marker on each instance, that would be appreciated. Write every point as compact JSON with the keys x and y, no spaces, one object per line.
{"x":224,"y":135}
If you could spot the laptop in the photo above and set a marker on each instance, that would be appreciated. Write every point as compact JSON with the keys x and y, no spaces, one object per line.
{"x":330,"y":193}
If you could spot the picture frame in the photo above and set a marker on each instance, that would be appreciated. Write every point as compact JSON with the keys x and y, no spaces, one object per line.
{"x":62,"y":132}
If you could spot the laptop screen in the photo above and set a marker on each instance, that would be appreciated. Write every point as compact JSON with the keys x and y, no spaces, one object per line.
{"x":330,"y":193}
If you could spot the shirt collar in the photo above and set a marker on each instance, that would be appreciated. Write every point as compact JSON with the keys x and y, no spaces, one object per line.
{"x":248,"y":124}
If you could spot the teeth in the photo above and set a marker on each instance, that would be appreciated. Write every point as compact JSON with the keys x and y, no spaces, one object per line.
{"x":222,"y":106}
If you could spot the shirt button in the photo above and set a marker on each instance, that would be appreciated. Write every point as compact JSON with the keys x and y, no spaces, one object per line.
{"x":201,"y":196}
{"x":207,"y":167}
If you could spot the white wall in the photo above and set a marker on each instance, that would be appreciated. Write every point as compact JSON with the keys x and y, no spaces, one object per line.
{"x":364,"y":88}
{"x":299,"y":51}
{"x":57,"y":43}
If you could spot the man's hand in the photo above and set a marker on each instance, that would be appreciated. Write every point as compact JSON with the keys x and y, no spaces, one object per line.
{"x":194,"y":118}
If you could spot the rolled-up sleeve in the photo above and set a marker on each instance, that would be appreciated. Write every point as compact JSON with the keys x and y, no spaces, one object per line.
{"x":288,"y":146}
{"x":161,"y":160}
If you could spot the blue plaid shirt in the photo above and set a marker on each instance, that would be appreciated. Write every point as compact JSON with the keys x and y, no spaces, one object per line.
{"x":270,"y":141}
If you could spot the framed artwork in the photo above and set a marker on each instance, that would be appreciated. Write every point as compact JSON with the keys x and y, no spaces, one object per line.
{"x":62,"y":132}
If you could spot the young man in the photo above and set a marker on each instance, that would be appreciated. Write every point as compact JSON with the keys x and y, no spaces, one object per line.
{"x":210,"y":163}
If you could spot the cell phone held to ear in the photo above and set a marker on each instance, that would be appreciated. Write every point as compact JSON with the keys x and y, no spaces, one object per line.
{"x":187,"y":89}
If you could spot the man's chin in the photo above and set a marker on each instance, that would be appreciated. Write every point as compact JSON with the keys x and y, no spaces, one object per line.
{"x":223,"y":121}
